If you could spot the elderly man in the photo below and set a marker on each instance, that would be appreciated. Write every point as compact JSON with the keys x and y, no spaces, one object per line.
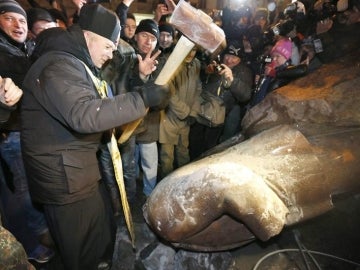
{"x":63,"y":94}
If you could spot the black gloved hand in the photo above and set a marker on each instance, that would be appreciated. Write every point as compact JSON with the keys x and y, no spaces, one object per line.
{"x":190,"y":120}
{"x":154,"y":96}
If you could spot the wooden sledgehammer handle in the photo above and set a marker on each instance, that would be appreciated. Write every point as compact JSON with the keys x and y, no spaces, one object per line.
{"x":181,"y":50}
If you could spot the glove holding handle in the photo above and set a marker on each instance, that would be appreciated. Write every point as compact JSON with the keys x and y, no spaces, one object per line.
{"x":153,"y":95}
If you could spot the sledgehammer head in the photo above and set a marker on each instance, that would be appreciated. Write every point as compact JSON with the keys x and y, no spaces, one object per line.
{"x":197,"y":26}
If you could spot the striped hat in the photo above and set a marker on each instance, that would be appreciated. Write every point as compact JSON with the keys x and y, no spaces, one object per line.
{"x":11,"y":6}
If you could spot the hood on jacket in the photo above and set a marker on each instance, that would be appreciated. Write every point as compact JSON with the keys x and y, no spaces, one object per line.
{"x":71,"y":41}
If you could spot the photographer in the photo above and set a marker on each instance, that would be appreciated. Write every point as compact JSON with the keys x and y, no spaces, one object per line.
{"x":278,"y":71}
{"x":236,"y":22}
{"x":231,"y":82}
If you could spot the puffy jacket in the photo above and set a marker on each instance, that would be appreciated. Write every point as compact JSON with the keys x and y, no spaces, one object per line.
{"x":14,"y":64}
{"x":186,"y":88}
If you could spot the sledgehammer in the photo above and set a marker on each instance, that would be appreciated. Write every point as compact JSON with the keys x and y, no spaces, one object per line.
{"x":197,"y":28}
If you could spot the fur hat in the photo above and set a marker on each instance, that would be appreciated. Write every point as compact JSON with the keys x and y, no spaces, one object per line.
{"x":38,"y":14}
{"x":100,"y":20}
{"x":283,"y":47}
{"x":150,"y":26}
{"x":11,"y":6}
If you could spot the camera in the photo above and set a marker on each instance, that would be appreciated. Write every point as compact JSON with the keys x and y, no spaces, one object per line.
{"x":217,"y":66}
{"x":283,"y":28}
{"x":264,"y":59}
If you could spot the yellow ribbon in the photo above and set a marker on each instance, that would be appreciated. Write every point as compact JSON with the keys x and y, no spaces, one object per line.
{"x":101,"y":87}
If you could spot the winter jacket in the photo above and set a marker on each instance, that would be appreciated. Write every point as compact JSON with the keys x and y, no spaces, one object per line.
{"x":149,"y":128}
{"x":5,"y":112}
{"x":14,"y":64}
{"x":64,"y":118}
{"x":239,"y":91}
{"x":186,"y":89}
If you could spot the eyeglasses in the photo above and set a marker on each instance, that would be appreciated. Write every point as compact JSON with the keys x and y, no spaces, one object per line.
{"x":147,"y":36}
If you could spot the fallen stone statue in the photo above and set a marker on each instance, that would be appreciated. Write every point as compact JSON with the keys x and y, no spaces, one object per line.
{"x":302,"y":148}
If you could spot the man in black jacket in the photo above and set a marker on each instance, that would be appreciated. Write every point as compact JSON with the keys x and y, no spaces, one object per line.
{"x":14,"y":63}
{"x":60,"y":150}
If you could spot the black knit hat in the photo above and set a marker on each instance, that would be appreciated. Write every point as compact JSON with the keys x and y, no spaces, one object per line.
{"x":59,"y":15}
{"x":234,"y":48}
{"x":11,"y":6}
{"x":38,"y":14}
{"x":167,"y":28}
{"x":101,"y":21}
{"x":148,"y":25}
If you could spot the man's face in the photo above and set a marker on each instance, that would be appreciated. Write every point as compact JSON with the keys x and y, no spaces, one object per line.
{"x":231,"y":60}
{"x":14,"y":25}
{"x":165,"y":40}
{"x":100,"y":48}
{"x":129,"y":28}
{"x":190,"y":55}
{"x":261,"y":21}
{"x":146,"y":42}
{"x":40,"y":26}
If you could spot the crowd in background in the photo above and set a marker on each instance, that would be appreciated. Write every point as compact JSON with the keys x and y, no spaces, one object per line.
{"x":202,"y":106}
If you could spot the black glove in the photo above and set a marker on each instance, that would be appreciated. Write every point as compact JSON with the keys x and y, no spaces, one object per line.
{"x":190,"y":120}
{"x":154,"y":96}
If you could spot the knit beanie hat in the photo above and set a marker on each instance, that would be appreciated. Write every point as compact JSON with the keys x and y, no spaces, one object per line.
{"x":11,"y":6}
{"x":167,"y":28}
{"x":283,"y":47}
{"x":38,"y":14}
{"x":58,"y":15}
{"x":234,"y":48}
{"x":148,"y":25}
{"x":100,"y":20}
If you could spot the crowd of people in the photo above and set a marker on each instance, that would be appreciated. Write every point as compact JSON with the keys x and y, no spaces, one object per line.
{"x":70,"y":85}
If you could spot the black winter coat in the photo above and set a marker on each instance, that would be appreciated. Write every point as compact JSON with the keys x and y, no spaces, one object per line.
{"x":14,"y":64}
{"x":64,"y":118}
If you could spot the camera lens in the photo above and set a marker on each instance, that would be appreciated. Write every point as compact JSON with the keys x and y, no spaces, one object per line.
{"x":276,"y":30}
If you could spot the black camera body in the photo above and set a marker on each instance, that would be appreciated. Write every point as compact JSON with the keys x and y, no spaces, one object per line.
{"x":218,"y":68}
{"x":283,"y":28}
{"x":264,"y":59}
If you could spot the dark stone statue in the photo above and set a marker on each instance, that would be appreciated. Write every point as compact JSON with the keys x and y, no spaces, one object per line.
{"x":301,"y":149}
